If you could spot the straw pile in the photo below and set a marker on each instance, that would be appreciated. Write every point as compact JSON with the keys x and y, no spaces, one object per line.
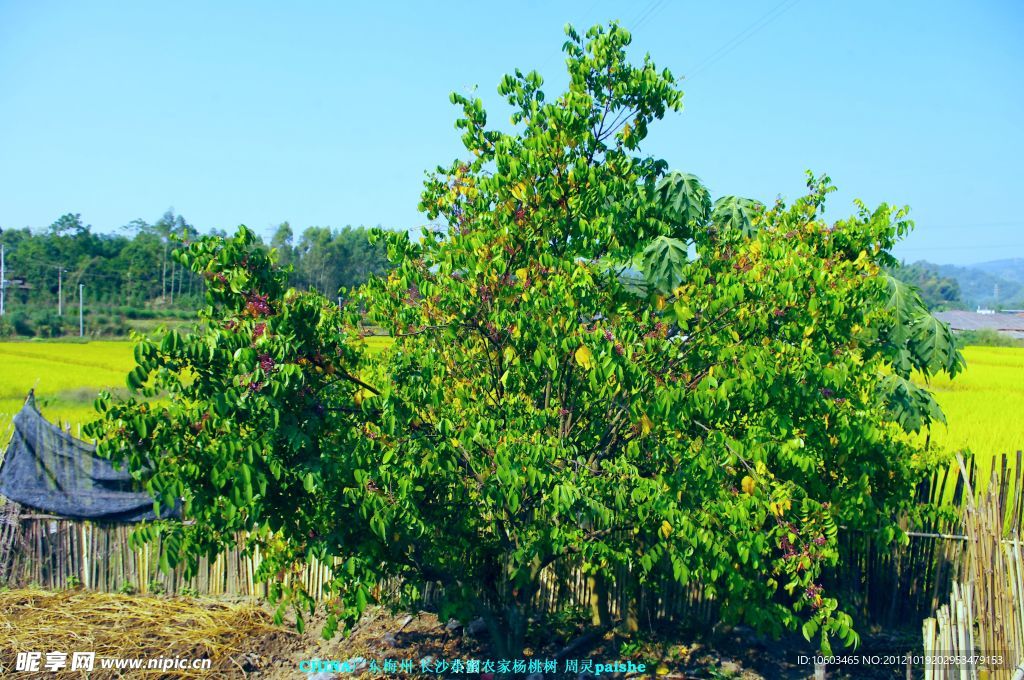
{"x":120,"y":626}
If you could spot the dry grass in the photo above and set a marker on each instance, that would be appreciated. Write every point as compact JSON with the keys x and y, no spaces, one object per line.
{"x":119,"y":626}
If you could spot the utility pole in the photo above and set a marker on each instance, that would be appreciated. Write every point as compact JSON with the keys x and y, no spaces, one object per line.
{"x":3,"y":280}
{"x":60,"y":291}
{"x":81,"y":324}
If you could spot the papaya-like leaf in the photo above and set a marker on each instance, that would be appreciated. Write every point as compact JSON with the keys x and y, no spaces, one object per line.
{"x":735,"y":213}
{"x":685,"y":201}
{"x":933,"y":343}
{"x":910,"y":406}
{"x":916,"y":340}
{"x":664,"y":263}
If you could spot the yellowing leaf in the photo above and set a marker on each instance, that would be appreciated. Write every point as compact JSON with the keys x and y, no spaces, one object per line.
{"x":666,"y":529}
{"x":522,"y":273}
{"x":748,"y":485}
{"x":646,"y":425}
{"x":584,"y":357}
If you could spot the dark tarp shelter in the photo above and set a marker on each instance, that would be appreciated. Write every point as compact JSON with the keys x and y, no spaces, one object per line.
{"x":48,"y":469}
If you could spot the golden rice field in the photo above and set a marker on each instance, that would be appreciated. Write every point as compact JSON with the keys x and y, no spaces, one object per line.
{"x":984,"y":405}
{"x":67,"y":376}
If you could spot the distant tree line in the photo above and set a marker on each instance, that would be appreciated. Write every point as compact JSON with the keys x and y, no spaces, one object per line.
{"x":938,"y":292}
{"x":328,"y":259}
{"x":998,"y":284}
{"x":131,"y":274}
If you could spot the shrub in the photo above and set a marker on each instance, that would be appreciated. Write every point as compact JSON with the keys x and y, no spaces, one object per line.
{"x":47,"y":323}
{"x":22,"y":323}
{"x":987,"y":338}
{"x":714,"y":420}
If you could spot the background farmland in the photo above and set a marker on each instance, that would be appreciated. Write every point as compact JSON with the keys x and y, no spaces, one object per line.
{"x":66,"y":377}
{"x":983,"y":405}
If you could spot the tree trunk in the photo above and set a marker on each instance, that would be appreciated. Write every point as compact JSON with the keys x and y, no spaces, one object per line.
{"x":507,"y":629}
{"x":600,"y":614}
{"x":631,"y":603}
{"x":163,"y":278}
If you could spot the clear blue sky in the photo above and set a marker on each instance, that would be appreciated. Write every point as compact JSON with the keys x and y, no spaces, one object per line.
{"x":329,"y":113}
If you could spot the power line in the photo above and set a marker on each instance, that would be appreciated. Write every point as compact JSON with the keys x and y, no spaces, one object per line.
{"x":741,"y":37}
{"x":935,"y":227}
{"x":960,"y":247}
{"x":656,"y":6}
{"x":643,"y":10}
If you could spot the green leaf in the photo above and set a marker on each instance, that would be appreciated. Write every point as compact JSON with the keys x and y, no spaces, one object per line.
{"x":136,"y":378}
{"x":220,"y":404}
{"x":914,"y":339}
{"x":734,"y":213}
{"x":686,"y":202}
{"x":360,"y":599}
{"x":906,"y":306}
{"x":934,"y":346}
{"x":664,"y":263}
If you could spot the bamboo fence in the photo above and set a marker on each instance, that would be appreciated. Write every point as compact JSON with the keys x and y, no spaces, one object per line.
{"x":895,"y":586}
{"x":880,"y":584}
{"x":985,"y":614}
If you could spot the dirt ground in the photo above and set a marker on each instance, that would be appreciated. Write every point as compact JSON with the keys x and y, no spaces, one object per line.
{"x":242,"y":642}
{"x":727,"y":653}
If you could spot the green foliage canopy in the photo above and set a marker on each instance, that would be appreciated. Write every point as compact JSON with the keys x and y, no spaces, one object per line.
{"x":714,"y":428}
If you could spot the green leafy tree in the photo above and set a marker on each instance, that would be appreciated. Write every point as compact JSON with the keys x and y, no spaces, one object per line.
{"x":714,"y":429}
{"x":281,"y":241}
{"x":69,"y":225}
{"x":711,"y":424}
{"x":329,"y":259}
{"x":259,"y":408}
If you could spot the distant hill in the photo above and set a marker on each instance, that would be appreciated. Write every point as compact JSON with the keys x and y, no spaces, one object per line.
{"x":979,"y":284}
{"x":937,"y":291}
{"x":1010,"y":270}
